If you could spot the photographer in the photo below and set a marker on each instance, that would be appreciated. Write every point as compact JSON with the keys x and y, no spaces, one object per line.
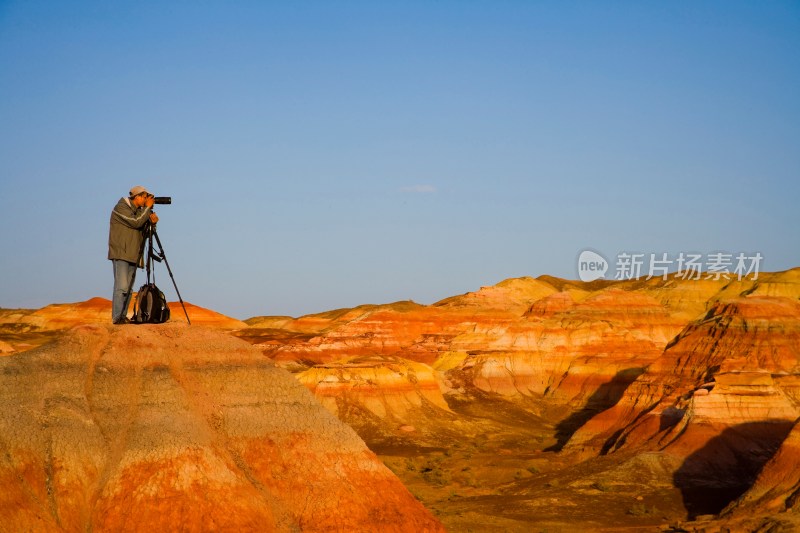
{"x":125,"y":240}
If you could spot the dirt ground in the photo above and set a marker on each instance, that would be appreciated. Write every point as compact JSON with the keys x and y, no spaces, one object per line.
{"x":496,"y":476}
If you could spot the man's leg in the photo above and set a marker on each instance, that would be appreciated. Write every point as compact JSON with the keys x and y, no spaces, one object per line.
{"x":129,"y":294}
{"x":124,"y":273}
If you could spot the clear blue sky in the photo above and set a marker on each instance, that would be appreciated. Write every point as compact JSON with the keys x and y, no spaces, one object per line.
{"x":327,"y":154}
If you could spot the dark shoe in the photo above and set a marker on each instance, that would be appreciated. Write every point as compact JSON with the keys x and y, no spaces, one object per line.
{"x":122,"y":321}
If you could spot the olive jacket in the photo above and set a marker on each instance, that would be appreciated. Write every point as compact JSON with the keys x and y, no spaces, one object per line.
{"x":125,"y":234}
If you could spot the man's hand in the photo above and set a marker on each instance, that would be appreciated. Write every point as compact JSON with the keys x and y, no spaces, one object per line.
{"x":150,"y":201}
{"x":153,"y":218}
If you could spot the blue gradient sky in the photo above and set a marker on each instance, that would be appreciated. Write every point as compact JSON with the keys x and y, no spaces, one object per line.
{"x":327,"y":154}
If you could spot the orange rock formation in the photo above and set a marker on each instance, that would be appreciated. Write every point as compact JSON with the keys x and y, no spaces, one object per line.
{"x":706,"y":372}
{"x":170,"y":427}
{"x":23,"y":329}
{"x":693,"y":384}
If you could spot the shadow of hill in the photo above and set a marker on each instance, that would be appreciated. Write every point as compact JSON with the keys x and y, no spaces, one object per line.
{"x":728,"y":464}
{"x":607,"y":395}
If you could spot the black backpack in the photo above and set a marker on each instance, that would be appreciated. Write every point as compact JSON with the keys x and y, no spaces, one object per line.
{"x":150,"y":306}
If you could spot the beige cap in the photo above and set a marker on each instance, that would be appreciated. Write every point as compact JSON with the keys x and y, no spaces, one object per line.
{"x":138,"y":190}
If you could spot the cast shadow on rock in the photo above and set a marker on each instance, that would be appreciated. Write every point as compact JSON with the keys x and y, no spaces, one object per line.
{"x":727,"y":465}
{"x":607,"y":395}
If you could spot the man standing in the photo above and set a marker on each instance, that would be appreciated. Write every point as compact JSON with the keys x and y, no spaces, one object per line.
{"x":125,"y":239}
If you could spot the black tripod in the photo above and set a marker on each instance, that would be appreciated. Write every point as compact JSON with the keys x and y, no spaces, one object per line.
{"x":153,"y":255}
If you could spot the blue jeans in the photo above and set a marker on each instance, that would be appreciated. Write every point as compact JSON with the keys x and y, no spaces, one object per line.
{"x":124,"y":274}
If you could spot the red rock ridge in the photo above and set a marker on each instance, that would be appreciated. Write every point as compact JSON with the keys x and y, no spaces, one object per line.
{"x":737,"y":364}
{"x":22,"y":329}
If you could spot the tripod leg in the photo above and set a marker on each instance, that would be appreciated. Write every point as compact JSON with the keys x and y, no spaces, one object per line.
{"x":164,"y":257}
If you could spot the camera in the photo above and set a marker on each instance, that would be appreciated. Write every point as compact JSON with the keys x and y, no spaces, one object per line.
{"x":162,"y":200}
